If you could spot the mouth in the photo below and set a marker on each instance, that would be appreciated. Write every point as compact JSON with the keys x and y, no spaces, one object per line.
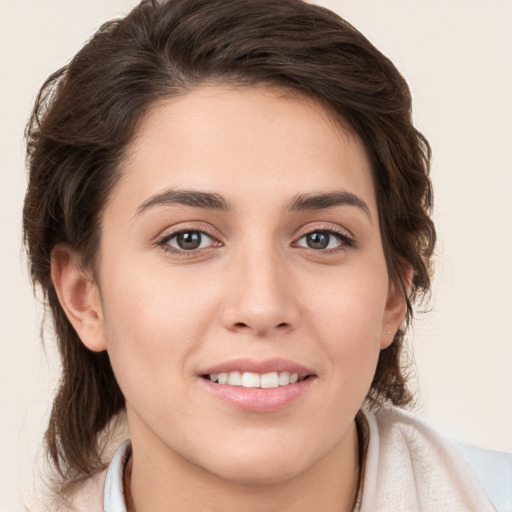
{"x":258,"y":386}
{"x":256,"y":380}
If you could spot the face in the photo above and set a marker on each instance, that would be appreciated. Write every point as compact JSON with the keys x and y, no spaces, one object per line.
{"x":242,"y":244}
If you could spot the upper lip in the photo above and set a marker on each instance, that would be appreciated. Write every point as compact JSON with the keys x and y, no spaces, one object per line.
{"x":259,"y":366}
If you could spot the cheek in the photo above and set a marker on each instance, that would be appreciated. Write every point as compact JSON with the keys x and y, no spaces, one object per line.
{"x":348,"y":319}
{"x":153,"y":322}
{"x":351,"y":305}
{"x":154,"y":304}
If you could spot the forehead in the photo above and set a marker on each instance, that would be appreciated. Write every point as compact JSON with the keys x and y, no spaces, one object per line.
{"x":246,"y":141}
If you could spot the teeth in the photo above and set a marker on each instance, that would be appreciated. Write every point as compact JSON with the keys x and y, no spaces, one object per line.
{"x":284,"y":378}
{"x":270,"y":380}
{"x":251,"y":380}
{"x":235,"y":379}
{"x":255,"y":380}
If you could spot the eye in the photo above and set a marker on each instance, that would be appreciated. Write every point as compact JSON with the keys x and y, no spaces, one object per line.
{"x":186,"y":241}
{"x":323,"y":240}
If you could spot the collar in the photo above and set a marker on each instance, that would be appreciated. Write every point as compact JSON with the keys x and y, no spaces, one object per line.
{"x":113,"y":496}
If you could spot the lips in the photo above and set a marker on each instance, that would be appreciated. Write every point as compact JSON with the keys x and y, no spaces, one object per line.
{"x":258,"y":386}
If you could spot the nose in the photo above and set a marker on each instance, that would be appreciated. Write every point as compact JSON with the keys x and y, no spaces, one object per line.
{"x":260,"y":297}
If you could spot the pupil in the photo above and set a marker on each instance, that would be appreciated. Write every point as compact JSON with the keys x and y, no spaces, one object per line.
{"x":189,"y":240}
{"x":318,"y":240}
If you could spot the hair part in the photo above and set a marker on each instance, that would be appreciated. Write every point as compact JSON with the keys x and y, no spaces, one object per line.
{"x":88,"y":112}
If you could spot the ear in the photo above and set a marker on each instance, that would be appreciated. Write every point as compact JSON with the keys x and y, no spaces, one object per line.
{"x":396,"y":306}
{"x":79,"y":297}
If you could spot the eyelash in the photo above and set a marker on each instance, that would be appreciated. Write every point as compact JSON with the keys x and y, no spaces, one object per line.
{"x":163,"y":242}
{"x":345,"y":241}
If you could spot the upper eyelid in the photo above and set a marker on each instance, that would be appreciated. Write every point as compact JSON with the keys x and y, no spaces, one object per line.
{"x":184,"y":227}
{"x":330,"y":231}
{"x":176,"y":232}
{"x":326,"y":227}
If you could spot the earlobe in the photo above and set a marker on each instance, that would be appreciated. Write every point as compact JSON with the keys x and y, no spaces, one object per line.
{"x":396,"y":306}
{"x":79,"y":297}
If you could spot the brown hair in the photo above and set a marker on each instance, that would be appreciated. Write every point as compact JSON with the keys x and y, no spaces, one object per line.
{"x":87,"y":112}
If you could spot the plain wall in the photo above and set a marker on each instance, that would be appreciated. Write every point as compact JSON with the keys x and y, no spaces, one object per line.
{"x":457,"y":59}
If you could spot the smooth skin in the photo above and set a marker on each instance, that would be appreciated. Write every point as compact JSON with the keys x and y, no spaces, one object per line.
{"x":259,"y":270}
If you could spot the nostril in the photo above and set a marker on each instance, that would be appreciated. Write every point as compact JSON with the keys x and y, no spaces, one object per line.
{"x":259,"y":323}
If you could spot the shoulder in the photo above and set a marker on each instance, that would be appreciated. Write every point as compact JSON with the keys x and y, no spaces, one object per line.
{"x":494,"y":471}
{"x":88,"y":496}
{"x":85,"y":497}
{"x":105,"y":491}
{"x":410,"y":466}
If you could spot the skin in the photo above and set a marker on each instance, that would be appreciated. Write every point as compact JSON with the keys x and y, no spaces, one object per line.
{"x":253,"y":289}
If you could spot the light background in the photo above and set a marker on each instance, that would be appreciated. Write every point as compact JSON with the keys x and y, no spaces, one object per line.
{"x":456,"y":56}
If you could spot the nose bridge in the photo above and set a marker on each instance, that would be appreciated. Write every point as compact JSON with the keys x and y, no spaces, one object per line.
{"x":260,"y":298}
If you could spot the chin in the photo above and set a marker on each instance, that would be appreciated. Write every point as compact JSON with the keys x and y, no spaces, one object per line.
{"x":262,"y":465}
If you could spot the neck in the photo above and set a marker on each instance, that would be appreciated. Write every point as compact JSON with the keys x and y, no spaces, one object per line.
{"x":158,"y":479}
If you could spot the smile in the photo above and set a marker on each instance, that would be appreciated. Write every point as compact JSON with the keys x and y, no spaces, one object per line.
{"x":255,"y":380}
{"x":258,"y":386}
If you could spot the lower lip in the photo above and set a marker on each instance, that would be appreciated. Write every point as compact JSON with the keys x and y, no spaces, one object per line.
{"x":259,"y":399}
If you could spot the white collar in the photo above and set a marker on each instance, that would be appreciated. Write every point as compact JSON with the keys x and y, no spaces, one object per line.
{"x":113,"y":496}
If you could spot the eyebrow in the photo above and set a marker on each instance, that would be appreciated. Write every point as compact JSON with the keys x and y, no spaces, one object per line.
{"x":193,"y":198}
{"x":304,"y":202}
{"x":210,"y":200}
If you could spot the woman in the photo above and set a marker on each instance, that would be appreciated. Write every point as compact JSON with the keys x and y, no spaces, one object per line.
{"x":229,"y":214}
